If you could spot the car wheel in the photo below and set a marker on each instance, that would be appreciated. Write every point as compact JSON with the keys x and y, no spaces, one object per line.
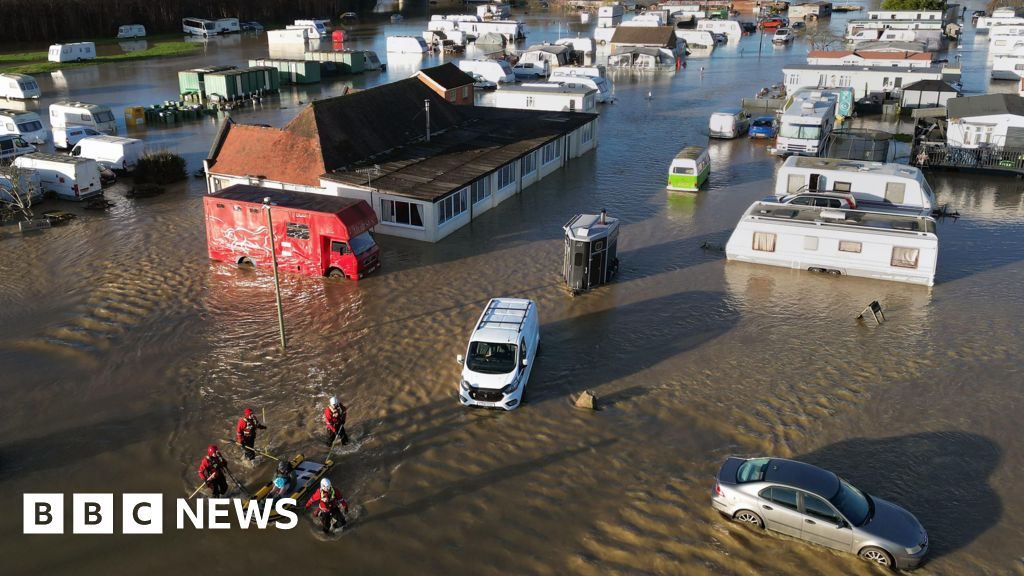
{"x":876,"y":555}
{"x":748,"y":517}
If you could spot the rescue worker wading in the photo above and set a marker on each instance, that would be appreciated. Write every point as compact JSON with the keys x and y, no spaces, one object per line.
{"x":246,"y":432}
{"x":334,"y":416}
{"x":330,"y":504}
{"x":212,"y":471}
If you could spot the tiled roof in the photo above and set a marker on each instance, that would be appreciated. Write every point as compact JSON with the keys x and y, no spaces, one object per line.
{"x":268,"y":153}
{"x":447,"y":76}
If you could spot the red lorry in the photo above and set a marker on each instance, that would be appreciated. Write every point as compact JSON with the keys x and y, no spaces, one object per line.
{"x":314,"y":234}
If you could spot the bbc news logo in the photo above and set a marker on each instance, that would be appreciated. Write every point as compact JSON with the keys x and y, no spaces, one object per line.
{"x":144,"y":513}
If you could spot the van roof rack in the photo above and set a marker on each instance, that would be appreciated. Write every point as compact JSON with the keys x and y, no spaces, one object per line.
{"x":504,"y":314}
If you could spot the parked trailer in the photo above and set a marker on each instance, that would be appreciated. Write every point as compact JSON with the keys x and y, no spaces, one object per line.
{"x":314,"y":234}
{"x":18,"y":86}
{"x":131,"y":31}
{"x":292,"y":71}
{"x":873,"y":184}
{"x":75,"y":52}
{"x":880,"y":245}
{"x":67,"y":177}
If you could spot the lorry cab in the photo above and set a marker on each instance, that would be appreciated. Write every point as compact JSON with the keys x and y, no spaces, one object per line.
{"x":353,"y":257}
{"x":500,"y":354}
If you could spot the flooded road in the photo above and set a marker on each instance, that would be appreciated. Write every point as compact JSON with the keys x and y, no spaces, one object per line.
{"x":125,"y":351}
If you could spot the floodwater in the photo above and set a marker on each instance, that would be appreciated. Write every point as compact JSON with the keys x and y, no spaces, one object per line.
{"x":125,"y":351}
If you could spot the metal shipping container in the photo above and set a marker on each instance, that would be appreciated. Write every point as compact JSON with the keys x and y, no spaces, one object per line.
{"x":292,"y":71}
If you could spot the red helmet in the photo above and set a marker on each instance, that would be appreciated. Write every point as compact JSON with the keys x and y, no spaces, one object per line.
{"x":211,"y":449}
{"x":248,"y":412}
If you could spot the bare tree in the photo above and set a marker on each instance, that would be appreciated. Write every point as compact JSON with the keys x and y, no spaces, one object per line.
{"x":16,"y":192}
{"x":821,"y":38}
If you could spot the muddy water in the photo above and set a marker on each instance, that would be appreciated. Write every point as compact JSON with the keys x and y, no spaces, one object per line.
{"x":125,"y":351}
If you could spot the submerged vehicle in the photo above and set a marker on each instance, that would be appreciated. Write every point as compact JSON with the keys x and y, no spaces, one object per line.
{"x":690,"y":169}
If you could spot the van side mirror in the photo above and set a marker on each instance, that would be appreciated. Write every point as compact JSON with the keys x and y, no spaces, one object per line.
{"x":460,"y":359}
{"x":526,"y":361}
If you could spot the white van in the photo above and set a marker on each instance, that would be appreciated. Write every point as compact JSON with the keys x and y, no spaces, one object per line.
{"x":111,"y":151}
{"x":13,"y":146}
{"x":75,"y":52}
{"x":730,"y":123}
{"x":316,"y":28}
{"x":69,"y":136}
{"x":406,"y":45}
{"x":69,"y":178}
{"x":67,"y":113}
{"x":26,"y":124}
{"x":500,"y":354}
{"x":497,"y":71}
{"x":19,"y":86}
{"x":131,"y":31}
{"x":27,"y":183}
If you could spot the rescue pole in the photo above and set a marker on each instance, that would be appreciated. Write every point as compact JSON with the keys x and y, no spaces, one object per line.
{"x":254,"y":449}
{"x":193,"y":494}
{"x":277,"y":282}
{"x":237,"y":483}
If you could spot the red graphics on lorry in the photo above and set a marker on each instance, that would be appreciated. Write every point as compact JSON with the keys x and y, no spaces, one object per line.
{"x":314,"y":234}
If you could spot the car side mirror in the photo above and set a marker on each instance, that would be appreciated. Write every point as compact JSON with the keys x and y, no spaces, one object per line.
{"x":460,"y":359}
{"x":841,"y":524}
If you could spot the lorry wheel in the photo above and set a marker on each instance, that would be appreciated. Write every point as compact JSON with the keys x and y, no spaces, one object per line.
{"x":336,"y":274}
{"x":245,"y":262}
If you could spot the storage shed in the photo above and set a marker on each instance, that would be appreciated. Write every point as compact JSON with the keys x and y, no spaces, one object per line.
{"x":292,"y":71}
{"x":927,"y":94}
{"x":591,"y":251}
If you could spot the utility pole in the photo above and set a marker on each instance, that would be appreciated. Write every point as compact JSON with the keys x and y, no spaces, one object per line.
{"x":277,"y":281}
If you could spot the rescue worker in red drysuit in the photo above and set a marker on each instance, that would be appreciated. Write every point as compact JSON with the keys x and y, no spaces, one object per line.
{"x":212,"y":470}
{"x":245,"y":432}
{"x":334,"y":417}
{"x":330,"y":505}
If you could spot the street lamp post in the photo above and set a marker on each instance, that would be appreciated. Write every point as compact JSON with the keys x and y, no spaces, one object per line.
{"x":277,"y":281}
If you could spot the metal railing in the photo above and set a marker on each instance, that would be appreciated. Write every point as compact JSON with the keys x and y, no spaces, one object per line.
{"x":940,"y":155}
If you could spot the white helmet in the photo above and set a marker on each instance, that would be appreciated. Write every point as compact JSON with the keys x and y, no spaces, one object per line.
{"x":334,"y":400}
{"x":325,"y":484}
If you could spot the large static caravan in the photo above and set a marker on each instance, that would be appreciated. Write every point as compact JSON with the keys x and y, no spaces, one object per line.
{"x":1008,"y":66}
{"x":549,"y":56}
{"x":731,"y":28}
{"x":591,"y":76}
{"x":1006,"y":45}
{"x":557,"y":97}
{"x":497,"y":71}
{"x":863,"y":80}
{"x":879,"y":245}
{"x":873,"y":184}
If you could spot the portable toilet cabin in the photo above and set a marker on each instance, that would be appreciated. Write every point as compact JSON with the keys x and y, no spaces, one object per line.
{"x":591,"y":251}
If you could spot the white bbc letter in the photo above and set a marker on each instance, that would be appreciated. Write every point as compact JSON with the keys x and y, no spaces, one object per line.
{"x":183,"y":510}
{"x":92,"y":514}
{"x":142,"y":514}
{"x":258,"y":511}
{"x":218,"y":509}
{"x":43,"y":514}
{"x":284,"y":508}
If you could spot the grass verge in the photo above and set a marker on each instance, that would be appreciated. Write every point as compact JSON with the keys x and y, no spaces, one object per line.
{"x":161,"y":50}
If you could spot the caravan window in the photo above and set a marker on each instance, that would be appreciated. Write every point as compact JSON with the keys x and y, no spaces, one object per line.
{"x":842,"y":187}
{"x":764,"y":241}
{"x":810,"y":242}
{"x":794,"y":183}
{"x":904,"y":257}
{"x":895,"y":192}
{"x":848,"y":246}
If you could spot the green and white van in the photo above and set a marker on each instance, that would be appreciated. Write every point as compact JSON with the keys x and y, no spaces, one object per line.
{"x":690,"y":169}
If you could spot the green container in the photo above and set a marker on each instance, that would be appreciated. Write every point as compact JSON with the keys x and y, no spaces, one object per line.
{"x":188,"y":81}
{"x":290,"y":71}
{"x":224,"y":84}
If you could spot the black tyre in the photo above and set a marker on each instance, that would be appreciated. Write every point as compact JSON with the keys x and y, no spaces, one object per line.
{"x":245,"y":262}
{"x":748,"y":517}
{"x":336,"y":274}
{"x":877,"y":556}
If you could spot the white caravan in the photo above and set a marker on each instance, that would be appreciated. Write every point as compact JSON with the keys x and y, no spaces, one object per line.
{"x":1008,"y":44}
{"x":131,"y":31}
{"x":875,"y":185}
{"x":880,"y":245}
{"x":500,"y":355}
{"x":806,"y":123}
{"x":316,"y":28}
{"x":18,"y":86}
{"x":731,"y":28}
{"x":591,"y":76}
{"x":1008,"y":66}
{"x":75,"y":52}
{"x":111,"y":151}
{"x":69,"y":178}
{"x":497,"y":71}
{"x":226,"y":25}
{"x":697,"y":39}
{"x":28,"y":125}
{"x":66,"y":113}
{"x":406,"y":45}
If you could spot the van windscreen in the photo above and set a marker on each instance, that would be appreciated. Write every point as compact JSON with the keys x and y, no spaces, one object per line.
{"x":104,"y":116}
{"x":490,"y":358}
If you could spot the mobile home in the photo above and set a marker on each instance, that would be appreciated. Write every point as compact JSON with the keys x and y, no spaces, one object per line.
{"x":880,"y":245}
{"x":873,"y":184}
{"x":1005,"y":45}
{"x":731,"y":28}
{"x":550,"y":56}
{"x":689,"y":169}
{"x":592,"y":76}
{"x":28,"y":125}
{"x":863,"y":80}
{"x":67,"y":177}
{"x":697,"y":39}
{"x":609,"y":16}
{"x":18,"y":86}
{"x":67,"y":113}
{"x":1008,"y":66}
{"x":131,"y":31}
{"x":806,"y":122}
{"x":558,"y":97}
{"x":75,"y":52}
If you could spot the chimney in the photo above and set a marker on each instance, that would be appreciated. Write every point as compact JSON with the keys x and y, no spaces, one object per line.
{"x":426,"y":106}
{"x":604,"y":216}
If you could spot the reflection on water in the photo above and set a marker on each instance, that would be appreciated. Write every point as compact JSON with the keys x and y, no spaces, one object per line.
{"x":125,"y":351}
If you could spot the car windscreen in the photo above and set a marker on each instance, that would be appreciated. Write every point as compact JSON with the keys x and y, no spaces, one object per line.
{"x":752,"y":470}
{"x":491,"y":358}
{"x":361,"y":243}
{"x":763,"y":123}
{"x":799,"y":131}
{"x":854,"y":504}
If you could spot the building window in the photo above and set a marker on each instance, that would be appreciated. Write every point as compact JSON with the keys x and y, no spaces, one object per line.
{"x":529,"y":163}
{"x":506,"y":175}
{"x":398,"y":212}
{"x":529,"y":101}
{"x":810,"y":242}
{"x":904,"y":257}
{"x":764,"y":241}
{"x":452,"y":206}
{"x":588,"y":132}
{"x":550,"y":152}
{"x":848,"y":246}
{"x":480,"y":189}
{"x":299,"y":231}
{"x":465,"y":91}
{"x":453,"y":95}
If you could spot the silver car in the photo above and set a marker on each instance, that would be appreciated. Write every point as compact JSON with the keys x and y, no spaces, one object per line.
{"x":807,"y":502}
